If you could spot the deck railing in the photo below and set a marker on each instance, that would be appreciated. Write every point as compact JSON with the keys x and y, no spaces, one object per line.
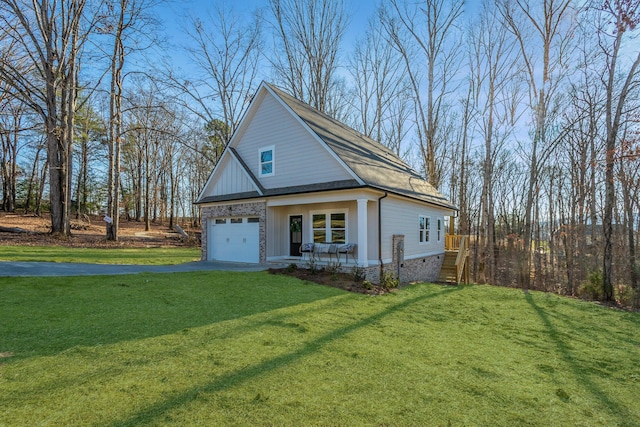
{"x":452,"y":242}
{"x":461,"y":260}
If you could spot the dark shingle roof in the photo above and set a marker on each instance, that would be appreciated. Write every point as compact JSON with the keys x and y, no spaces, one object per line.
{"x":373,"y":163}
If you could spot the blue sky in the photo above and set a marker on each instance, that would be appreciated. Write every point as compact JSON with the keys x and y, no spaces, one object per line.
{"x":172,"y":14}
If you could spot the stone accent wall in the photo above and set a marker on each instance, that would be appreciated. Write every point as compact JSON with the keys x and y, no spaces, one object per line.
{"x":372,"y":274}
{"x":236,"y":210}
{"x":423,"y":269}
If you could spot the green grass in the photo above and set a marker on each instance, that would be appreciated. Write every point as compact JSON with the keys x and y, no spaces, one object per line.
{"x":146,"y":256}
{"x":220,"y":348}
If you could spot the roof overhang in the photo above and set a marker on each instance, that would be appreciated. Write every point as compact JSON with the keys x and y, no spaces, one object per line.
{"x":295,"y":195}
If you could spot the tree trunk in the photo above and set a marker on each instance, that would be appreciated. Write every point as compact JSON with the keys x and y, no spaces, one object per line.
{"x":525,"y":273}
{"x":115,"y":127}
{"x":57,"y":178}
{"x":614,"y":111}
{"x":43,"y":180}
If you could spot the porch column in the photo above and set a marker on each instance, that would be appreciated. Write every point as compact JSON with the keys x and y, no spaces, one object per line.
{"x":362,"y":233}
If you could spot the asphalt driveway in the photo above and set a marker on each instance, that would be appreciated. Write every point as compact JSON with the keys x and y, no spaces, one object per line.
{"x":12,"y":268}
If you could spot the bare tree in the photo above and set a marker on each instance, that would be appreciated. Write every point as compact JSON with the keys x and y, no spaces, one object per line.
{"x":582,"y":119}
{"x":46,"y":39}
{"x":90,"y":132}
{"x":493,"y":68}
{"x":460,"y":175}
{"x":123,"y":20}
{"x":381,"y":92}
{"x":226,"y":55}
{"x":424,"y":34}
{"x":11,"y":124}
{"x":31,"y":183}
{"x":151,"y":153}
{"x":549,"y":23}
{"x":617,"y":21}
{"x":309,"y":33}
{"x":629,"y":176}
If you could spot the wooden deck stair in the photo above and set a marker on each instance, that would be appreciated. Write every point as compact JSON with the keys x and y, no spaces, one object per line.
{"x":449,"y":273}
{"x":455,"y":267}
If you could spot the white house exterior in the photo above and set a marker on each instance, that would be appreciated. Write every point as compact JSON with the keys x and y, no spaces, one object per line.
{"x":289,"y":167}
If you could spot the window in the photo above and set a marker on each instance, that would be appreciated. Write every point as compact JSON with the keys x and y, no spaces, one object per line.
{"x":329,"y":227}
{"x":424,"y":224}
{"x":221,"y":221}
{"x":439,"y":228}
{"x":253,"y":220}
{"x":236,"y":220}
{"x":266,"y":160}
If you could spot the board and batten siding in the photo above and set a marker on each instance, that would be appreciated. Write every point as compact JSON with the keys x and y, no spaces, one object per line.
{"x":401,"y":216}
{"x":230,"y":180}
{"x":299,"y":159}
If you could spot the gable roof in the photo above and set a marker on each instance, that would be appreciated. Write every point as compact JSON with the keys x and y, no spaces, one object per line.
{"x":372,"y":163}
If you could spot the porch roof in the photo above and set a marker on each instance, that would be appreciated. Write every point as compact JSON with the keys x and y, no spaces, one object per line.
{"x":283,"y":191}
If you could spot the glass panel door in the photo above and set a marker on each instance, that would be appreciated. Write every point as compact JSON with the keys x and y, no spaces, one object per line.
{"x":295,"y":234}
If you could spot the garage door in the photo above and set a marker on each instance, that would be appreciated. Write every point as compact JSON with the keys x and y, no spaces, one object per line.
{"x":234,"y":239}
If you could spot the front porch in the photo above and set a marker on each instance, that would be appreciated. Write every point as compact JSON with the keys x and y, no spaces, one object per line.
{"x":331,"y":229}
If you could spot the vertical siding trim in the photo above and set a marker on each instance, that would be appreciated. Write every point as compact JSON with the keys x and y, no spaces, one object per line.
{"x":380,"y":231}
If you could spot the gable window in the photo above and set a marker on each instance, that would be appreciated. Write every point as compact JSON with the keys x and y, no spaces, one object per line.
{"x":424,"y":225}
{"x":266,"y":161}
{"x":329,"y":227}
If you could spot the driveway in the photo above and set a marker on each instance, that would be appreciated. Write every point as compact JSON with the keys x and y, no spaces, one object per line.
{"x":12,"y":268}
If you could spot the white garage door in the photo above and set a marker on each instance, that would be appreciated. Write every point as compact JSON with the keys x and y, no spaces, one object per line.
{"x":234,"y":239}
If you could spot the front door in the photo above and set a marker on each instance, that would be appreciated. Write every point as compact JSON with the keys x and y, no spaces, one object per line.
{"x":295,"y":234}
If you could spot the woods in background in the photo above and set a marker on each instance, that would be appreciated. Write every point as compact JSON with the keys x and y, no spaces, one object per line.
{"x":526,"y":114}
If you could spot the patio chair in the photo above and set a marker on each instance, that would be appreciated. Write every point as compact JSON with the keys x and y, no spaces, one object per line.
{"x":347,"y":250}
{"x":306,"y":248}
{"x":327,"y":248}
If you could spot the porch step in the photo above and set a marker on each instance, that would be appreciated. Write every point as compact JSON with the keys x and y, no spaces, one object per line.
{"x":448,"y":272}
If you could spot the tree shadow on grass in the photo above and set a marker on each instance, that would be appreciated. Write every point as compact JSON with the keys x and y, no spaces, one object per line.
{"x":240,"y":376}
{"x":563,"y":349}
{"x":67,"y":379}
{"x":46,"y":316}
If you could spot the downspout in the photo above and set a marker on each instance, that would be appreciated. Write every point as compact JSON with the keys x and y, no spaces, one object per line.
{"x":380,"y":232}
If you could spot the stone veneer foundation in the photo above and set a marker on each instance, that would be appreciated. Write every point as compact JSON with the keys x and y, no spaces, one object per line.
{"x":420,"y":269}
{"x":423,"y":269}
{"x":233,"y":211}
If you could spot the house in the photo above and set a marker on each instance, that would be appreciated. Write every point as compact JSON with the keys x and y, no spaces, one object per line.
{"x":292,"y":175}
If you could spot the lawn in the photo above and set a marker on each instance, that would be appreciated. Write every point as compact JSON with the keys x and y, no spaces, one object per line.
{"x":220,"y":348}
{"x":146,"y":256}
